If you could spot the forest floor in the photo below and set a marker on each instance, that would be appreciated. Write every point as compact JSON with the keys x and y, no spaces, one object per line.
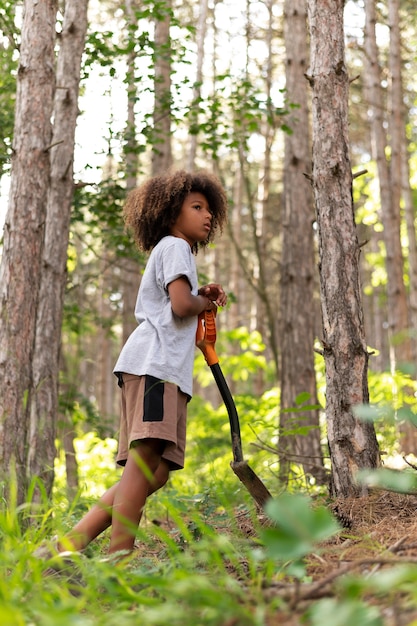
{"x":379,"y":533}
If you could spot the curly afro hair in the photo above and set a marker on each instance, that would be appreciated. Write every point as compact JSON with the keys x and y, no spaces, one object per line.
{"x":151,"y":210}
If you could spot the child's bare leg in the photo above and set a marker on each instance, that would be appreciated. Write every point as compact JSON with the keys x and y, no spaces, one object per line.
{"x":99,"y":518}
{"x":134,"y":487}
{"x":92,"y":524}
{"x":160,"y":477}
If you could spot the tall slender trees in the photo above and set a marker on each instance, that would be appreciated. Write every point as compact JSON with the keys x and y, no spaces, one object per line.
{"x":198,"y":81}
{"x":129,"y":268}
{"x":161,"y":148}
{"x":389,"y":193}
{"x":37,"y":229}
{"x":389,"y":150}
{"x":352,"y":443}
{"x":43,"y":397}
{"x":298,"y":267}
{"x":21,"y":266}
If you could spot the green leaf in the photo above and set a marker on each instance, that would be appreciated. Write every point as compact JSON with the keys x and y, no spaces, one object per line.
{"x":302,"y":397}
{"x":299,"y":526}
{"x":407,"y":414}
{"x":283,"y":545}
{"x":402,"y":577}
{"x":394,"y":480}
{"x":343,"y":613}
{"x":370,"y":413}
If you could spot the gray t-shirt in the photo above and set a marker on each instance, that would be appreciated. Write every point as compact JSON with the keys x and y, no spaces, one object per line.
{"x":163,"y":344}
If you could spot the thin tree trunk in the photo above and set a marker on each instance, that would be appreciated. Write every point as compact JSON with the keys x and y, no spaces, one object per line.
{"x":398,"y":301}
{"x":390,"y":186}
{"x":71,"y":464}
{"x":412,"y":243}
{"x":130,"y":272}
{"x":237,"y":283}
{"x":402,"y":344}
{"x":376,"y":317}
{"x":43,"y":398}
{"x":105,"y":382}
{"x":263,"y":197}
{"x":66,"y":433}
{"x":352,"y":443}
{"x":390,"y":182}
{"x":21,"y":268}
{"x":201,"y":36}
{"x":298,"y":266}
{"x":261,"y":314}
{"x":161,"y":149}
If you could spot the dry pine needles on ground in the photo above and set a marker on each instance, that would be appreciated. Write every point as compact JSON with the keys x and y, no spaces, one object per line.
{"x":379,"y":532}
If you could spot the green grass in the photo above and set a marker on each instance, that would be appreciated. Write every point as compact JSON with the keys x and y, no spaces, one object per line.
{"x":190,"y":572}
{"x":201,"y":561}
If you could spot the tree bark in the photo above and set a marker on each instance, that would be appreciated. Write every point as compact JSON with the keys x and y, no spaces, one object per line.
{"x":43,"y":397}
{"x":21,"y":268}
{"x":161,"y":149}
{"x":352,"y":443}
{"x":200,"y":36}
{"x":298,"y":265}
{"x":397,"y":297}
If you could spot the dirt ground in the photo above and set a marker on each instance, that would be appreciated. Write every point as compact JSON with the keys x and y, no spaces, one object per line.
{"x":379,"y":532}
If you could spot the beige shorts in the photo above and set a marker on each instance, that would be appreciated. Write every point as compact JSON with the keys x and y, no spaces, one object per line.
{"x":152,"y":408}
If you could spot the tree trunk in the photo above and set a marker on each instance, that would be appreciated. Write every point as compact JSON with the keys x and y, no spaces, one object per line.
{"x":21,"y":267}
{"x":389,"y":196}
{"x":200,"y":36}
{"x":161,"y":149}
{"x":267,"y":326}
{"x":298,"y":266}
{"x":402,"y":337}
{"x":352,"y":443}
{"x":130,"y":271}
{"x":43,"y":398}
{"x":390,"y":182}
{"x":407,"y":194}
{"x":237,"y":282}
{"x":397,"y":292}
{"x":262,"y":314}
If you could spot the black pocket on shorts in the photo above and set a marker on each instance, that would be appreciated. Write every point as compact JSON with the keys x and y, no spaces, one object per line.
{"x":153,"y":402}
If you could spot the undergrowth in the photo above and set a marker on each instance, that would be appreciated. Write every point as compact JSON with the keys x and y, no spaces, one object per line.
{"x":199,"y":562}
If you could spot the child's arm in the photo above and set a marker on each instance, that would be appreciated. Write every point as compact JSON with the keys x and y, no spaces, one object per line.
{"x":184,"y":304}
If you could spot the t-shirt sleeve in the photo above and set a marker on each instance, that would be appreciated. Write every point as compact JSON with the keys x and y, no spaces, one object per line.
{"x":177,"y":262}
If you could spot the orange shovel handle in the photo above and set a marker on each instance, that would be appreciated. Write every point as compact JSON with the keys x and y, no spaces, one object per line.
{"x":206,"y":336}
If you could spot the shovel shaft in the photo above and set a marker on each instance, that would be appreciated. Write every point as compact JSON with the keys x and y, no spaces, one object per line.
{"x":205,"y":340}
{"x":231,"y":411}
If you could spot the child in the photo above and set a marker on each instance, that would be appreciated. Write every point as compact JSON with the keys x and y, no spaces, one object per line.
{"x":172,"y":216}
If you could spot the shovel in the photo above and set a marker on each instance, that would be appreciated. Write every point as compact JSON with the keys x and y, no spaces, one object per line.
{"x":205,"y":340}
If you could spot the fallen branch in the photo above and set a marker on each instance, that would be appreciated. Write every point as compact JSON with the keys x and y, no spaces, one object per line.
{"x":298,"y":592}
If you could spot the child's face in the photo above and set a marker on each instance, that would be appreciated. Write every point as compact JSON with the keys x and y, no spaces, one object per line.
{"x":194,"y":221}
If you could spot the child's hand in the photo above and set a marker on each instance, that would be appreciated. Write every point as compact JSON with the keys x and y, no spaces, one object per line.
{"x":215,"y":293}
